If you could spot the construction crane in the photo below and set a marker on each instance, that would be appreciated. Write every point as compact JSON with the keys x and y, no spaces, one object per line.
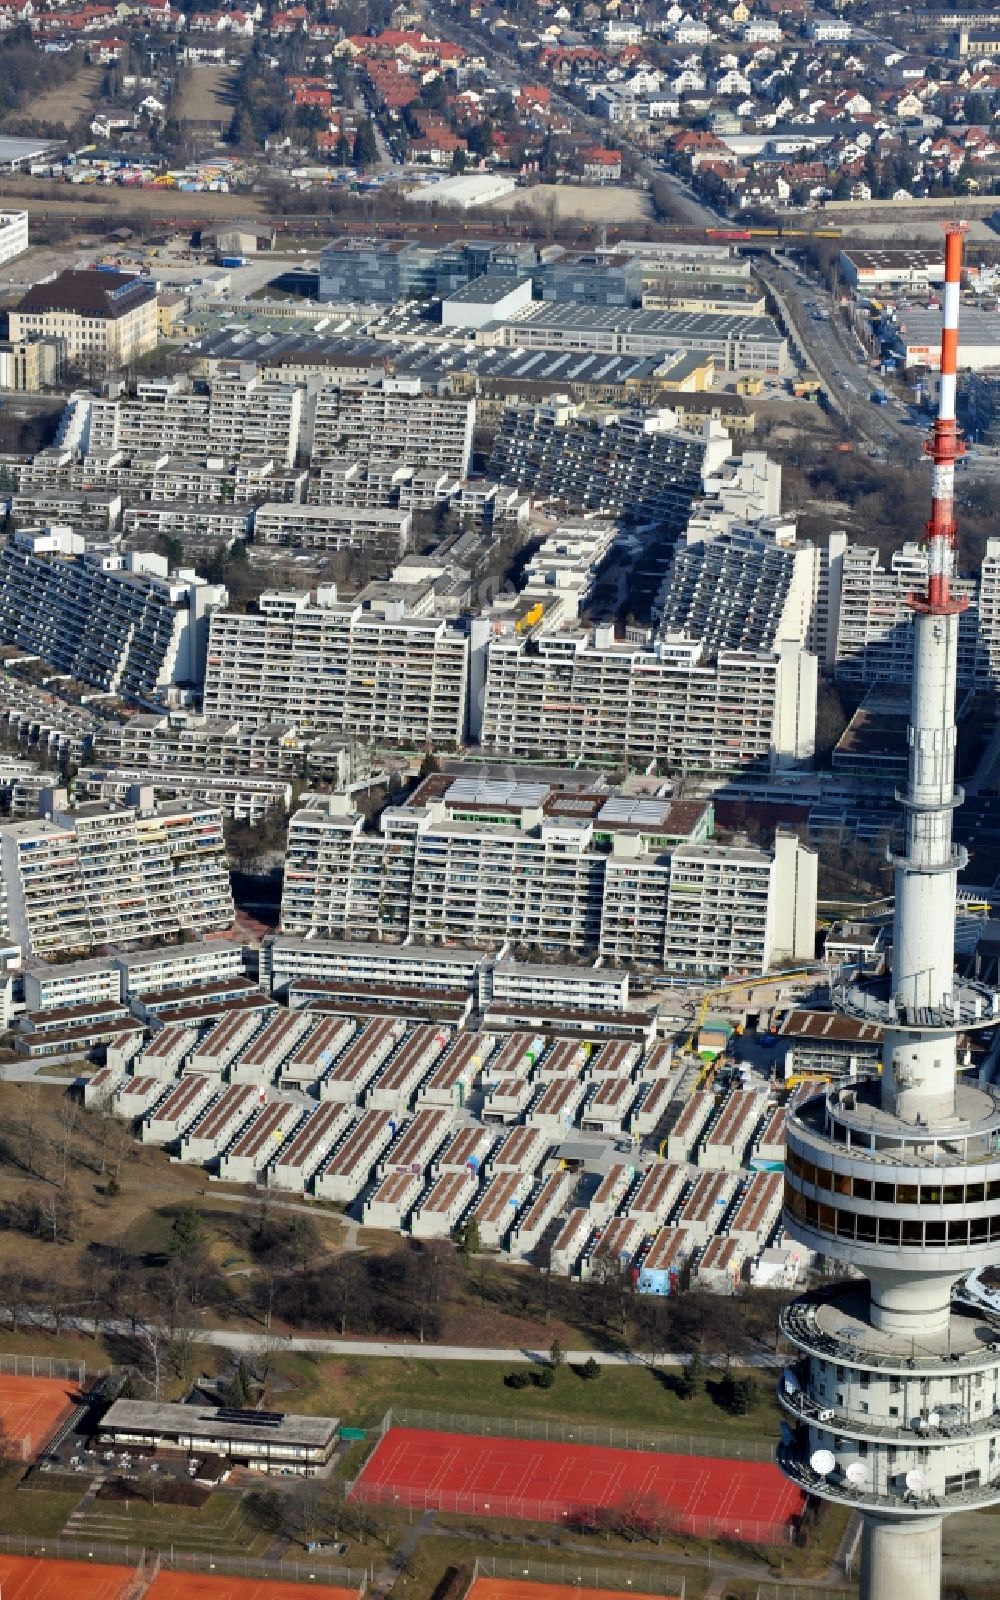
{"x":731,"y":987}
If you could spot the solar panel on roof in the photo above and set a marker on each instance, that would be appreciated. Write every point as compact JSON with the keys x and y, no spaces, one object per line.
{"x":266,"y":1419}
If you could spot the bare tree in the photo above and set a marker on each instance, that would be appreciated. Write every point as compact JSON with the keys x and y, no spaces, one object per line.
{"x":15,"y":1294}
{"x":184,"y":1353}
{"x":30,"y":1124}
{"x":263,"y":1356}
{"x":154,"y":1342}
{"x":69,"y":1116}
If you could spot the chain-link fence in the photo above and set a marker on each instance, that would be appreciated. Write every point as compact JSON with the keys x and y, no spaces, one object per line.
{"x":17,"y":1366}
{"x":649,"y":1517}
{"x":582,"y":1575}
{"x":680,"y":1444}
{"x":307,"y":1570}
{"x":795,"y":1591}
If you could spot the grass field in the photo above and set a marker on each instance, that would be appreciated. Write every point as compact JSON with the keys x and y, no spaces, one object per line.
{"x":70,"y":101}
{"x":360,"y":1390}
{"x":207,"y":95}
{"x":38,"y":1513}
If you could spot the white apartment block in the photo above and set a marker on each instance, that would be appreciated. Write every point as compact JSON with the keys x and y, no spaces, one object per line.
{"x":101,"y":874}
{"x":334,"y":527}
{"x":579,"y":696}
{"x":174,"y":481}
{"x":708,"y":911}
{"x":123,"y":624}
{"x":547,"y":882}
{"x":874,"y":637}
{"x":185,"y":519}
{"x":223,"y":747}
{"x":567,"y":988}
{"x":72,"y":983}
{"x":235,"y":415}
{"x":245,"y":799}
{"x":180,"y":967}
{"x":330,"y":665}
{"x":285,"y":957}
{"x":741,"y":588}
{"x":13,"y":234}
{"x":395,"y":417}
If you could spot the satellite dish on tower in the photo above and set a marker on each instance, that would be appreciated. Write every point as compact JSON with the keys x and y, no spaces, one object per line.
{"x":857,"y":1473}
{"x":915,"y":1481}
{"x":823,"y":1462}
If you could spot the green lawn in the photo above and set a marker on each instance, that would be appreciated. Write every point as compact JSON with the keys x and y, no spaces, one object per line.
{"x":38,"y":1513}
{"x":360,"y":1390}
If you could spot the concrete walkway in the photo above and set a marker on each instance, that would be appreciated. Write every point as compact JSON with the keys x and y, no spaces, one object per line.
{"x":400,"y":1350}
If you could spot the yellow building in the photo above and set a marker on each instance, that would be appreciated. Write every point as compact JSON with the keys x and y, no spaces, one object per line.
{"x":107,"y":319}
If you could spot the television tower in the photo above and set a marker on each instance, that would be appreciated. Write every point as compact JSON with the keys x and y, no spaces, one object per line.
{"x":893,"y":1401}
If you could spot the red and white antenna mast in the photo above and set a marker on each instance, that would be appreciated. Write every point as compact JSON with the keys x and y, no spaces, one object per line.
{"x":946,"y":447}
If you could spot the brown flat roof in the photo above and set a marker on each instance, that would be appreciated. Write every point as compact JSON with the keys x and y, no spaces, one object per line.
{"x":832,"y":1025}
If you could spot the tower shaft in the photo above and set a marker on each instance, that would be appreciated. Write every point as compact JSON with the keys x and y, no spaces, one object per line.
{"x":895,"y":1394}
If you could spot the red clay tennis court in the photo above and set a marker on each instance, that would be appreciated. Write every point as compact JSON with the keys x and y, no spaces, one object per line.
{"x":31,"y":1578}
{"x":31,"y":1409}
{"x":516,"y":1589}
{"x":544,"y":1482}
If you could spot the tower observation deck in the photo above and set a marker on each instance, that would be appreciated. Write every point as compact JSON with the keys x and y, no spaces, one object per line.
{"x":893,"y":1402}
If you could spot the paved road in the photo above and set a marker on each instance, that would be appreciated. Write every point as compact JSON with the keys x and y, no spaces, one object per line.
{"x":400,"y":1350}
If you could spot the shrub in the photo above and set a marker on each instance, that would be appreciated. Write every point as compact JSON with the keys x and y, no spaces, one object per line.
{"x":590,"y":1370}
{"x":517,"y":1380}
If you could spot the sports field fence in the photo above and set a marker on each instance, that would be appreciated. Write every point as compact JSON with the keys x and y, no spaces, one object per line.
{"x":583,"y":1575}
{"x":649,"y":1515}
{"x":18,"y":1366}
{"x":655,"y":1439}
{"x":308,"y":1570}
{"x":805,"y":1591}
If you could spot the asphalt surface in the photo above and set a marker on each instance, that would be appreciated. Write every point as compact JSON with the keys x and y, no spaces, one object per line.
{"x":233,"y":1339}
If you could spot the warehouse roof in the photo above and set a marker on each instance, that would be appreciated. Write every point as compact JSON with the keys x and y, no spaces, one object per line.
{"x":620,"y":319}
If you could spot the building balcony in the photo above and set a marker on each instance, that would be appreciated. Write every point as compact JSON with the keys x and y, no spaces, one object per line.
{"x":804,"y":1408}
{"x":970,"y":1005}
{"x":832,"y":1325}
{"x":794,"y":1462}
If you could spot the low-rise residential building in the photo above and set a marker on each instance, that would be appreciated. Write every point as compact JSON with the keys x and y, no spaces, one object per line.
{"x":334,"y":527}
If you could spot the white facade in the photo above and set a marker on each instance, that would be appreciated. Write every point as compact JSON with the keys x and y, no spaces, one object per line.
{"x":485,"y":300}
{"x":125,"y":624}
{"x":574,"y":696}
{"x":101,"y":875}
{"x":13,"y":234}
{"x":333,"y":666}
